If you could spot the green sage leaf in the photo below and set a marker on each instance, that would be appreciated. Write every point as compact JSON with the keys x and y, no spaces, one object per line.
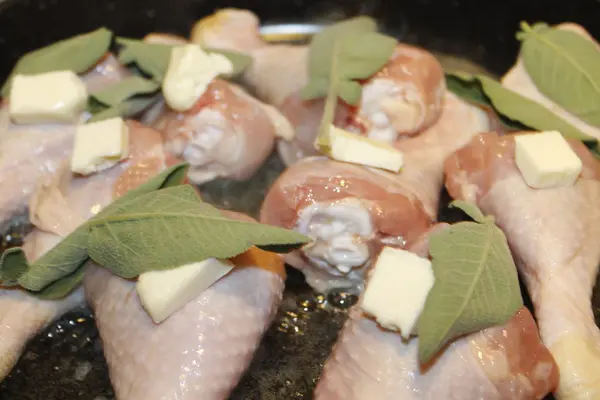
{"x":476,"y":283}
{"x":174,"y":227}
{"x":470,"y":90}
{"x":356,"y":50}
{"x":77,"y":54}
{"x":150,"y":58}
{"x":532,"y":115}
{"x":129,"y":87}
{"x":565,"y":67}
{"x":153,"y":58}
{"x":470,"y":209}
{"x":127,"y":109}
{"x":57,"y":272}
{"x":126,"y":99}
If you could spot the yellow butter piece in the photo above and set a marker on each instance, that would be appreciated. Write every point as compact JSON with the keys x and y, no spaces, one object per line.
{"x":53,"y":97}
{"x":546,"y":160}
{"x":397,"y":289}
{"x":162,"y":293}
{"x":189,"y":73}
{"x":352,"y":148}
{"x":99,"y":146}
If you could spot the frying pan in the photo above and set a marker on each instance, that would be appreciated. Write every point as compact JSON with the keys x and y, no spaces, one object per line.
{"x":65,"y":361}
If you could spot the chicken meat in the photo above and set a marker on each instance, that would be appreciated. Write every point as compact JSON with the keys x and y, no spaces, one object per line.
{"x":499,"y":363}
{"x":366,"y":207}
{"x":28,"y":152}
{"x":200,"y":351}
{"x":59,"y":204}
{"x":227,"y":134}
{"x":554,"y":234}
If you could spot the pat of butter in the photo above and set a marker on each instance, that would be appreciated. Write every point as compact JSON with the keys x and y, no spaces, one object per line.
{"x":397,"y":289}
{"x":162,"y":293}
{"x":546,"y":160}
{"x":53,"y":97}
{"x":99,"y":146}
{"x":352,"y":148}
{"x":189,"y":73}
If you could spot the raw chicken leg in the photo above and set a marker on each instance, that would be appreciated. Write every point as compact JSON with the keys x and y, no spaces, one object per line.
{"x":518,"y":80}
{"x":228,"y":133}
{"x":500,"y":363}
{"x":388,"y":208}
{"x":555,"y":235}
{"x":404,"y":98}
{"x":201,"y":351}
{"x":60,"y":204}
{"x":349,"y":211}
{"x":28,"y":152}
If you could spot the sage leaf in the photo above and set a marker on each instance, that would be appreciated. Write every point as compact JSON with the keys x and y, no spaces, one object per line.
{"x":77,"y":54}
{"x":240,"y":61}
{"x":127,"y":109}
{"x":530,"y":114}
{"x":470,"y":209}
{"x":153,"y":58}
{"x":470,"y":90}
{"x":57,"y":272}
{"x":62,"y":260}
{"x":476,"y":283}
{"x":150,"y":58}
{"x":565,"y":67}
{"x":356,"y":50}
{"x":117,"y":93}
{"x":173,"y":227}
{"x":323,"y":141}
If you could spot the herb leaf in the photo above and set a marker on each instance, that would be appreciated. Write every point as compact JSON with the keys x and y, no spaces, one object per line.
{"x":128,"y":108}
{"x":115,"y":94}
{"x":471,"y":91}
{"x":174,"y":227}
{"x":150,"y":58}
{"x":56,"y":273}
{"x":476,"y":283}
{"x":126,"y":98}
{"x":153,"y":58}
{"x":564,"y":67}
{"x":356,"y":50}
{"x":470,"y":209}
{"x":77,"y":54}
{"x":527,"y":112}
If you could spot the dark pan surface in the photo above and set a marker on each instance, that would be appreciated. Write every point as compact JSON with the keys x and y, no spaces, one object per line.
{"x":65,"y":361}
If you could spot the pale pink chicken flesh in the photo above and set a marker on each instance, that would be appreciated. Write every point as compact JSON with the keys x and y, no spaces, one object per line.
{"x":28,"y":152}
{"x":59,"y":204}
{"x":500,"y":363}
{"x":228,"y":133}
{"x":554,"y":234}
{"x":404,"y":98}
{"x":200,"y":351}
{"x":401,"y":205}
{"x":350,"y":211}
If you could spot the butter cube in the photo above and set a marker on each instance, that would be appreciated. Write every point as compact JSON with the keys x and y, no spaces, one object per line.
{"x":546,"y":160}
{"x":189,"y":73}
{"x":397,"y":290}
{"x":352,"y":148}
{"x":162,"y":293}
{"x":53,"y":97}
{"x":99,"y":146}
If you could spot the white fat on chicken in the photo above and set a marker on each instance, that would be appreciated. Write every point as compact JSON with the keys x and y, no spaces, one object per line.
{"x":390,"y":109}
{"x":198,"y":146}
{"x":341,"y":233}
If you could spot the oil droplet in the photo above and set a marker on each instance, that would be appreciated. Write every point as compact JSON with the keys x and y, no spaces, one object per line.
{"x":342,"y":299}
{"x":307,"y":304}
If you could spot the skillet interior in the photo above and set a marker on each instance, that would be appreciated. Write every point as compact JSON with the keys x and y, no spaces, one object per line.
{"x":65,"y":361}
